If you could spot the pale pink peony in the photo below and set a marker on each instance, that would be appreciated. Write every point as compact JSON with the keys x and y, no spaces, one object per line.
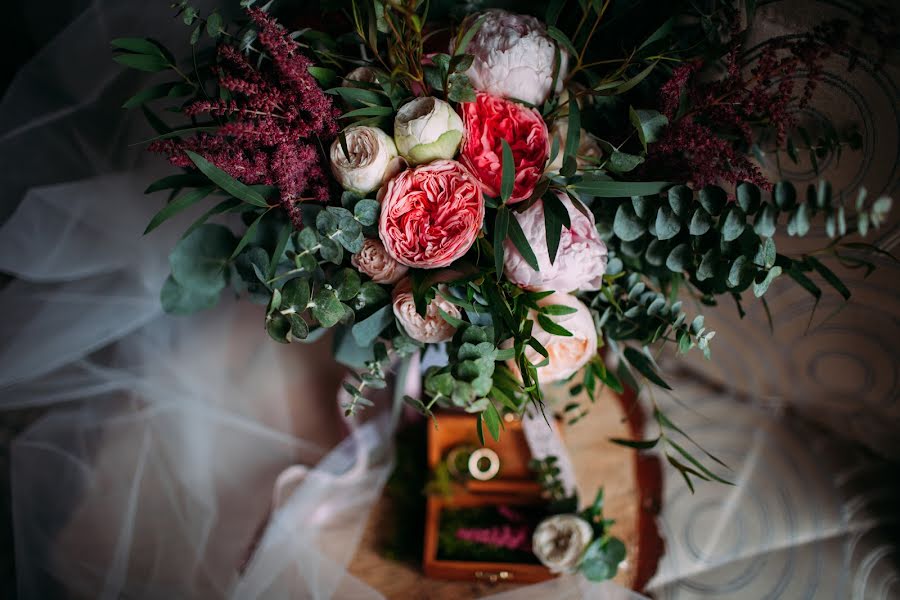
{"x":374,"y":261}
{"x":489,"y":120}
{"x":431,"y":215}
{"x":580,"y":260}
{"x":514,"y":57}
{"x":428,"y":329}
{"x":567,"y":353}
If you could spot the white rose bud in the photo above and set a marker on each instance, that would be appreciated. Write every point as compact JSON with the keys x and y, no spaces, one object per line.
{"x":427,"y":129}
{"x":560,"y":540}
{"x":588,"y":149}
{"x":374,"y":261}
{"x":370,"y":161}
{"x":428,"y":329}
{"x":514,"y":57}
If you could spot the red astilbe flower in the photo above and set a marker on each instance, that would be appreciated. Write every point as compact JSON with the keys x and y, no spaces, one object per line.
{"x":275,"y":122}
{"x":709,"y":142}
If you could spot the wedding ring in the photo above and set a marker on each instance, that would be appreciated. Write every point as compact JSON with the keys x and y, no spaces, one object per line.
{"x":475,"y":464}
{"x":455,"y":459}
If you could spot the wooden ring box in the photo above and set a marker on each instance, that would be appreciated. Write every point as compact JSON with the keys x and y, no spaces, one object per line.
{"x":513,"y":485}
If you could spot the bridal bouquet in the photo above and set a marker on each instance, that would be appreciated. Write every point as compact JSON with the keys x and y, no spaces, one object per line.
{"x":521,"y":189}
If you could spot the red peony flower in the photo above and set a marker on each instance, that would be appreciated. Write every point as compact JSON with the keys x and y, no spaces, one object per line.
{"x":431,"y":215}
{"x":490,"y":119}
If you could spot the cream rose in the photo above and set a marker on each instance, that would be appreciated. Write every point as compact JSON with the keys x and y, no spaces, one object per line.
{"x":374,"y":261}
{"x":588,"y":148}
{"x":427,"y":129}
{"x":580,"y":258}
{"x":567,"y":354}
{"x":514,"y":57}
{"x":560,"y":541}
{"x":428,"y":329}
{"x":371,"y":159}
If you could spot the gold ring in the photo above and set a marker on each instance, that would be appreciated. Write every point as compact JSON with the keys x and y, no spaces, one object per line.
{"x":492,"y":469}
{"x":456,"y":458}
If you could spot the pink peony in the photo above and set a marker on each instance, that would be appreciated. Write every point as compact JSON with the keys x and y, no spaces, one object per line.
{"x":489,"y":120}
{"x":580,"y":260}
{"x":431,"y":215}
{"x":567,"y":353}
{"x":430,"y":328}
{"x":374,"y":261}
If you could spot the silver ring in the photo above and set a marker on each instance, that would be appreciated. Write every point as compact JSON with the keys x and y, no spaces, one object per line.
{"x":475,"y":469}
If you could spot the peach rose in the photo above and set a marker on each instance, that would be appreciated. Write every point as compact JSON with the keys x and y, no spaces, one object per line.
{"x":431,"y":215}
{"x":580,"y":259}
{"x":374,"y":261}
{"x":567,"y":353}
{"x":428,"y":329}
{"x":489,"y":120}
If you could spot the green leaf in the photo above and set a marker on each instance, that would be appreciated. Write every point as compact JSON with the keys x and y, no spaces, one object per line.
{"x":249,"y":235}
{"x":829,"y":276}
{"x":517,"y":237}
{"x":601,"y":559}
{"x":626,"y":225}
{"x":179,"y":300}
{"x":225,"y":181}
{"x":680,"y":199}
{"x":283,"y":236}
{"x":737,"y":271}
{"x":558,"y":310}
{"x":667,"y":224}
{"x":327,"y":309}
{"x":295,"y":295}
{"x":176,"y":206}
{"x":501,"y":227}
{"x":366,"y":211}
{"x":785,"y":195}
{"x":765,"y":221}
{"x":143,"y":62}
{"x":759,"y":289}
{"x":713,"y":199}
{"x":640,"y":362}
{"x":701,"y":222}
{"x":551,"y":327}
{"x":734,"y":224}
{"x":605,"y":188}
{"x":152,"y":93}
{"x":346,"y":284}
{"x":620,"y":162}
{"x":367,"y":331}
{"x":556,"y":216}
{"x":469,"y":34}
{"x":369,"y":111}
{"x":562,"y":39}
{"x":636,"y":444}
{"x":649,"y":124}
{"x":138,"y":45}
{"x":299,"y":327}
{"x":748,"y":197}
{"x":508,"y":176}
{"x":176,"y":181}
{"x":679,"y":258}
{"x":616,"y":88}
{"x":492,"y":419}
{"x":799,"y":224}
{"x":278,"y":327}
{"x":198,"y":261}
{"x":573,"y":138}
{"x":323,"y":75}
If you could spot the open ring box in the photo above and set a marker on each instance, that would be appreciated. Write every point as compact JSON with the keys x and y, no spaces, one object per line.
{"x":514,"y":490}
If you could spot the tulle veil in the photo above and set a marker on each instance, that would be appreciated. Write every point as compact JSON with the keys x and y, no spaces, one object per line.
{"x":168,"y":442}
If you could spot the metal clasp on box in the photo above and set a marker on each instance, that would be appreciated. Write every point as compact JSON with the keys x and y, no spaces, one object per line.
{"x":494,"y":577}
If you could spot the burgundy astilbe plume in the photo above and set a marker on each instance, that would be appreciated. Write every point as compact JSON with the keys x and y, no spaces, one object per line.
{"x":708,"y":143}
{"x":274,"y":125}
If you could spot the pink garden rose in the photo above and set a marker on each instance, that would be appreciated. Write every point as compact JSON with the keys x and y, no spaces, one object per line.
{"x":374,"y":261}
{"x":428,"y":329}
{"x":431,"y":215}
{"x":489,"y":120}
{"x":567,"y":353}
{"x":580,"y":259}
